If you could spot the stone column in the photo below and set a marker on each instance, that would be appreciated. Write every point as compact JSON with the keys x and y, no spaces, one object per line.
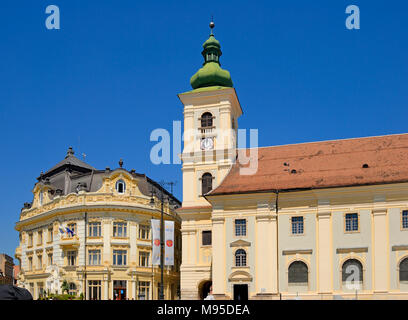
{"x":324,"y":253}
{"x":380,"y":254}
{"x":219,"y":252}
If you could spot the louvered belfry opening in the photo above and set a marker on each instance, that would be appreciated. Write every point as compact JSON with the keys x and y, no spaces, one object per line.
{"x":206,"y":183}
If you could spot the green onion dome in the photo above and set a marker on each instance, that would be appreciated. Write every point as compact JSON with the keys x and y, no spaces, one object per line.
{"x":211,"y":74}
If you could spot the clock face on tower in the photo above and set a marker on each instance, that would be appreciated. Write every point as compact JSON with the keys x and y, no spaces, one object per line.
{"x":207,"y":144}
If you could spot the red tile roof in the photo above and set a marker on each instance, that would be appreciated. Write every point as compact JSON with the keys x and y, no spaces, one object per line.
{"x":324,"y":164}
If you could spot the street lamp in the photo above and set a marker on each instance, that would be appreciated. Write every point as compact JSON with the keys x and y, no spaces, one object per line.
{"x":162,"y":198}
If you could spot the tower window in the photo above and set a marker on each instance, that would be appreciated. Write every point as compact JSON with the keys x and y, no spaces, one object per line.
{"x":120,"y":186}
{"x":206,"y":183}
{"x":206,"y":240}
{"x":206,"y":120}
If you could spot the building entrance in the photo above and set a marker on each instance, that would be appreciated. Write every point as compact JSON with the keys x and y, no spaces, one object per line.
{"x":119,"y":289}
{"x":241,"y":292}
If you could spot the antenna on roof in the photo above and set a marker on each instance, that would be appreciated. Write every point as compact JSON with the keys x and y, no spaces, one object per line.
{"x":83,"y":156}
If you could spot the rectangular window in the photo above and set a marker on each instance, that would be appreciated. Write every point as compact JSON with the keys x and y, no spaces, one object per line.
{"x":39,"y":238}
{"x":143,"y":259}
{"x":71,"y":257}
{"x":206,"y":240}
{"x":94,"y":229}
{"x":50,"y":236}
{"x":94,"y":257}
{"x":50,"y":259}
{"x":30,"y":263}
{"x":297,"y":225}
{"x":144,"y":232}
{"x":40,"y":288}
{"x":39,"y":262}
{"x":30,"y":239}
{"x":240,"y":227}
{"x":94,"y":289}
{"x":405,"y":219}
{"x":119,"y":257}
{"x":144,"y":287}
{"x":119,"y":229}
{"x":351,"y":222}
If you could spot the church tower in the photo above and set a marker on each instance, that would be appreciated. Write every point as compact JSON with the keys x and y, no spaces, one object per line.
{"x":211,"y":112}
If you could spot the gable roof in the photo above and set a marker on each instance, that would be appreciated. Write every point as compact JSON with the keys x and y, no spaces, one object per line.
{"x":338,"y":163}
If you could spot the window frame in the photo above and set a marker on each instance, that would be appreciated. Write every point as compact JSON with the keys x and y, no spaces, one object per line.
{"x":119,"y":253}
{"x":235,"y":228}
{"x":292,"y":224}
{"x":243,"y":258}
{"x":346,"y":260}
{"x":72,"y":226}
{"x":345,"y":222}
{"x":72,"y":258}
{"x":405,"y":261}
{"x":298,"y":283}
{"x":144,"y":228}
{"x":123,"y":228}
{"x":120,"y":181}
{"x":206,"y":122}
{"x":91,"y":228}
{"x":404,"y":220}
{"x":202,"y":238}
{"x":92,"y":253}
{"x":208,"y":179}
{"x":143,"y":287}
{"x":144,"y":256}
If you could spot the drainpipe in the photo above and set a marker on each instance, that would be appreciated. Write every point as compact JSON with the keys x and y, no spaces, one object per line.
{"x":86,"y":218}
{"x":277,"y":241}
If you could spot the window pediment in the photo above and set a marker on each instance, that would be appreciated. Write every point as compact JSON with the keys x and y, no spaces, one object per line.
{"x":240,"y":243}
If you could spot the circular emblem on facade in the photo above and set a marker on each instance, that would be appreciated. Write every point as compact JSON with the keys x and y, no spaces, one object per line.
{"x":169,"y":243}
{"x":156,"y":242}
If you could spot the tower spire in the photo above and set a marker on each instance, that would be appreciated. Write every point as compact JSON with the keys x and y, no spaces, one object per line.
{"x":211,"y":73}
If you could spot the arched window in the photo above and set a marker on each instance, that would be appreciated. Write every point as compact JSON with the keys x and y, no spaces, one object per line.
{"x":352,"y":271}
{"x":403,"y":270}
{"x":240,"y":258}
{"x":298,"y":273}
{"x":206,"y":183}
{"x":206,"y":120}
{"x":120,"y":186}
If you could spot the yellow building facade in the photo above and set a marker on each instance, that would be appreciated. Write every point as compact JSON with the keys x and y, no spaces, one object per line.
{"x":108,"y":253}
{"x":324,"y":220}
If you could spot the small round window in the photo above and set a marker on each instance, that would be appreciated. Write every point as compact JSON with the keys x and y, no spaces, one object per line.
{"x":120,"y":186}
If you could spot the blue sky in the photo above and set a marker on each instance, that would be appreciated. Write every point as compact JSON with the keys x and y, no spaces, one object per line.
{"x":111,"y":74}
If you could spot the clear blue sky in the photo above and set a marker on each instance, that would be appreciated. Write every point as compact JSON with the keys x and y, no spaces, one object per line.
{"x":110,"y":76}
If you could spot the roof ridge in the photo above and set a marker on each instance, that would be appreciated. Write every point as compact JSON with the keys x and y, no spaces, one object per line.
{"x":321,"y":141}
